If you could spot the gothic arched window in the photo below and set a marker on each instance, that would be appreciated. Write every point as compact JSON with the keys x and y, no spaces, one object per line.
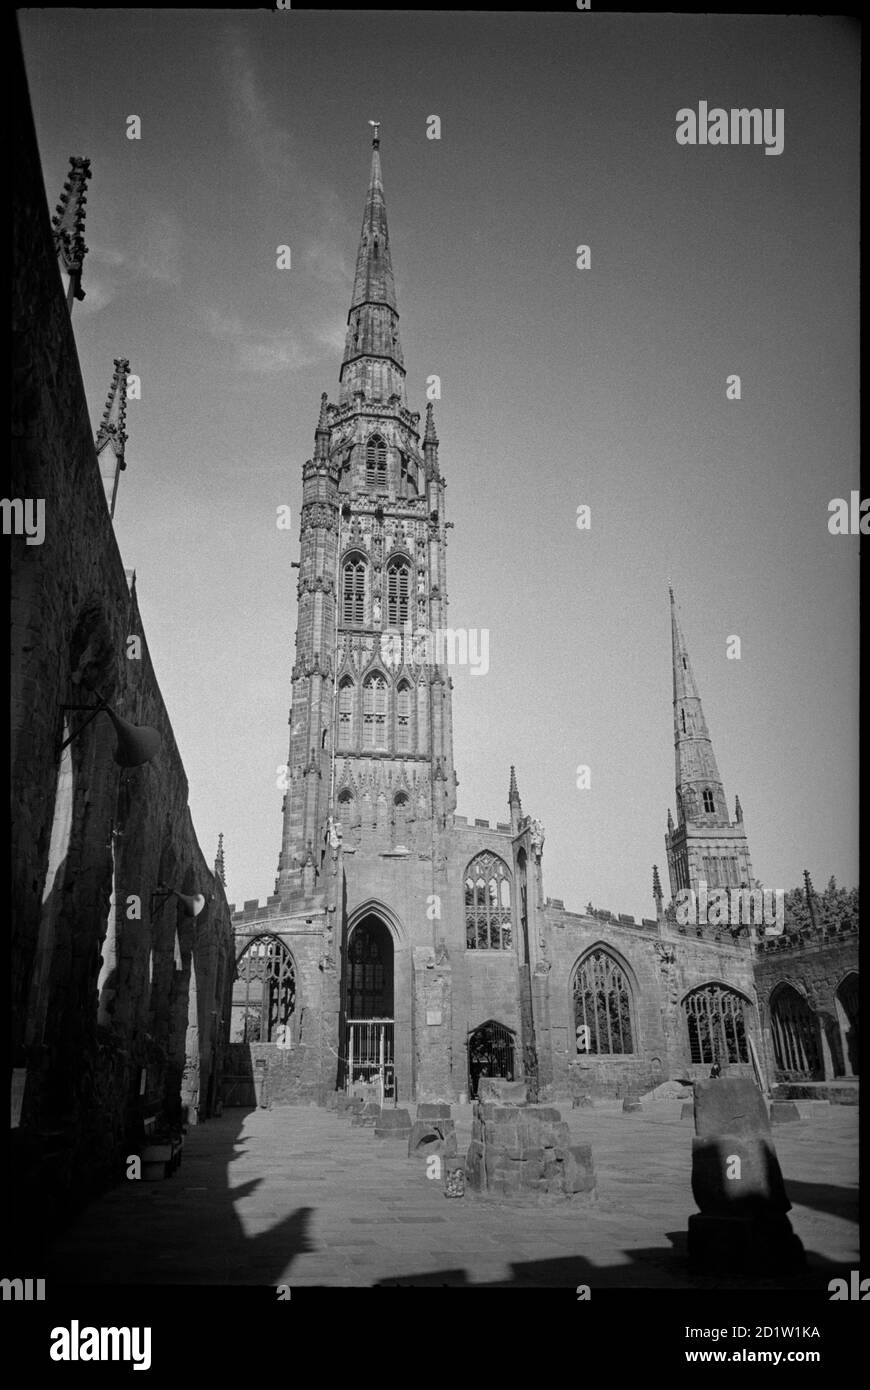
{"x":353,"y":591}
{"x":375,"y":700}
{"x":403,"y":718}
{"x":398,"y":592}
{"x":716,"y":1024}
{"x":709,"y":802}
{"x":602,"y":1006}
{"x":795,"y":1030}
{"x":488,"y":904}
{"x":376,"y":462}
{"x":264,"y":993}
{"x":346,"y":713}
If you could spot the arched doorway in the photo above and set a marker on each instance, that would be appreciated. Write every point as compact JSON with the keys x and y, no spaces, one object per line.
{"x":795,"y":1031}
{"x":846,"y":999}
{"x":490,"y":1053}
{"x":369,"y":1050}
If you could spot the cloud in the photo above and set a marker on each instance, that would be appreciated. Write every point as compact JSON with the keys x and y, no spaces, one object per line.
{"x":158,"y":254}
{"x":270,"y":143}
{"x":254,"y":351}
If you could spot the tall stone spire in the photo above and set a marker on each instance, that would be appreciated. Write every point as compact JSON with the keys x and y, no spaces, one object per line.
{"x":371,"y":731}
{"x":699,"y":787}
{"x":111,"y":437}
{"x":373,"y":362}
{"x":704,"y":845}
{"x":68,"y":228}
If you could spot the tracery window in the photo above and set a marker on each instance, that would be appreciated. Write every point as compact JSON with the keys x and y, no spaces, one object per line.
{"x":354,"y":591}
{"x":346,"y":713}
{"x":376,"y":462}
{"x":403,"y":718}
{"x":264,"y":994}
{"x":488,"y":904}
{"x":716,"y":1024}
{"x":375,"y":708}
{"x":398,"y":592}
{"x":602,"y":1006}
{"x":709,"y":802}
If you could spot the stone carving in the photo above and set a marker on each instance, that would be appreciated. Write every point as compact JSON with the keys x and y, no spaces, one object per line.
{"x":537,"y":838}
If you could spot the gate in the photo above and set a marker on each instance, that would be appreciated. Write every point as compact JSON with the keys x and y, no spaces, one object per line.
{"x":368,"y":1053}
{"x":490,"y":1053}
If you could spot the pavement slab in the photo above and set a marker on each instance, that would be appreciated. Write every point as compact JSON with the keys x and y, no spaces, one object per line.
{"x":297,"y":1195}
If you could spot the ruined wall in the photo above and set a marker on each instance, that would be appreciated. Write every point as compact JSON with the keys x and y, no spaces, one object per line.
{"x":87,"y":1021}
{"x":302,"y":1069}
{"x":661,"y":968}
{"x":815,"y":964}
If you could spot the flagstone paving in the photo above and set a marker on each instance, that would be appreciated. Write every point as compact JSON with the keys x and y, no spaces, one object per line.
{"x":299,"y":1196}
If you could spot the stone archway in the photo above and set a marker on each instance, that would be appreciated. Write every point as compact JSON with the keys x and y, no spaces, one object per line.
{"x":491,"y":1052}
{"x":797,"y":1046}
{"x":368,"y":1007}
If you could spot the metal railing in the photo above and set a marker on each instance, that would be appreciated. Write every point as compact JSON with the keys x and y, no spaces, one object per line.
{"x":369,"y":1055}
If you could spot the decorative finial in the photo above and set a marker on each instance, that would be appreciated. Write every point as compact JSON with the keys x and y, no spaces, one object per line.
{"x":811,"y":898}
{"x":219,"y":866}
{"x":671,"y":590}
{"x":430,"y":436}
{"x":68,"y":226}
{"x":657,"y":883}
{"x":514,"y":792}
{"x":376,"y":133}
{"x":114,"y":421}
{"x":738,"y":809}
{"x":321,"y":423}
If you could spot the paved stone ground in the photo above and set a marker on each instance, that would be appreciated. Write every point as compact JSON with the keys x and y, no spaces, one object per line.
{"x":299,"y":1196}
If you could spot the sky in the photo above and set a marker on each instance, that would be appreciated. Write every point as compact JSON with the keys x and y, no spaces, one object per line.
{"x":561,"y":387}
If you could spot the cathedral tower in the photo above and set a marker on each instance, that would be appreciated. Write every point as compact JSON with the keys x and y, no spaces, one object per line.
{"x":371,"y":744}
{"x":705,"y":843}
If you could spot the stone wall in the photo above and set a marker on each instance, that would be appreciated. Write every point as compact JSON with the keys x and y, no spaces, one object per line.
{"x":118,"y":999}
{"x":815,"y":964}
{"x":661,"y":967}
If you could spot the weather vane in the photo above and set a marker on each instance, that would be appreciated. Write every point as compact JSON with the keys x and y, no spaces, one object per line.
{"x":376,"y":135}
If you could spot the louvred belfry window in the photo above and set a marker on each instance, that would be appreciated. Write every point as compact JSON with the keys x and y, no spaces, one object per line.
{"x":375,"y":712}
{"x":398,"y":592}
{"x":354,"y":591}
{"x":376,"y":463}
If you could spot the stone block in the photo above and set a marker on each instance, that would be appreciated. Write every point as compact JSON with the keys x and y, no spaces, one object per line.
{"x":393,"y":1124}
{"x":758,"y":1189}
{"x":729,"y":1105}
{"x":743,"y":1245}
{"x":475,"y":1169}
{"x":429,"y":1111}
{"x":432,"y":1137}
{"x":369,"y":1114}
{"x":781,"y":1111}
{"x":687,"y":1111}
{"x":497,"y":1088}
